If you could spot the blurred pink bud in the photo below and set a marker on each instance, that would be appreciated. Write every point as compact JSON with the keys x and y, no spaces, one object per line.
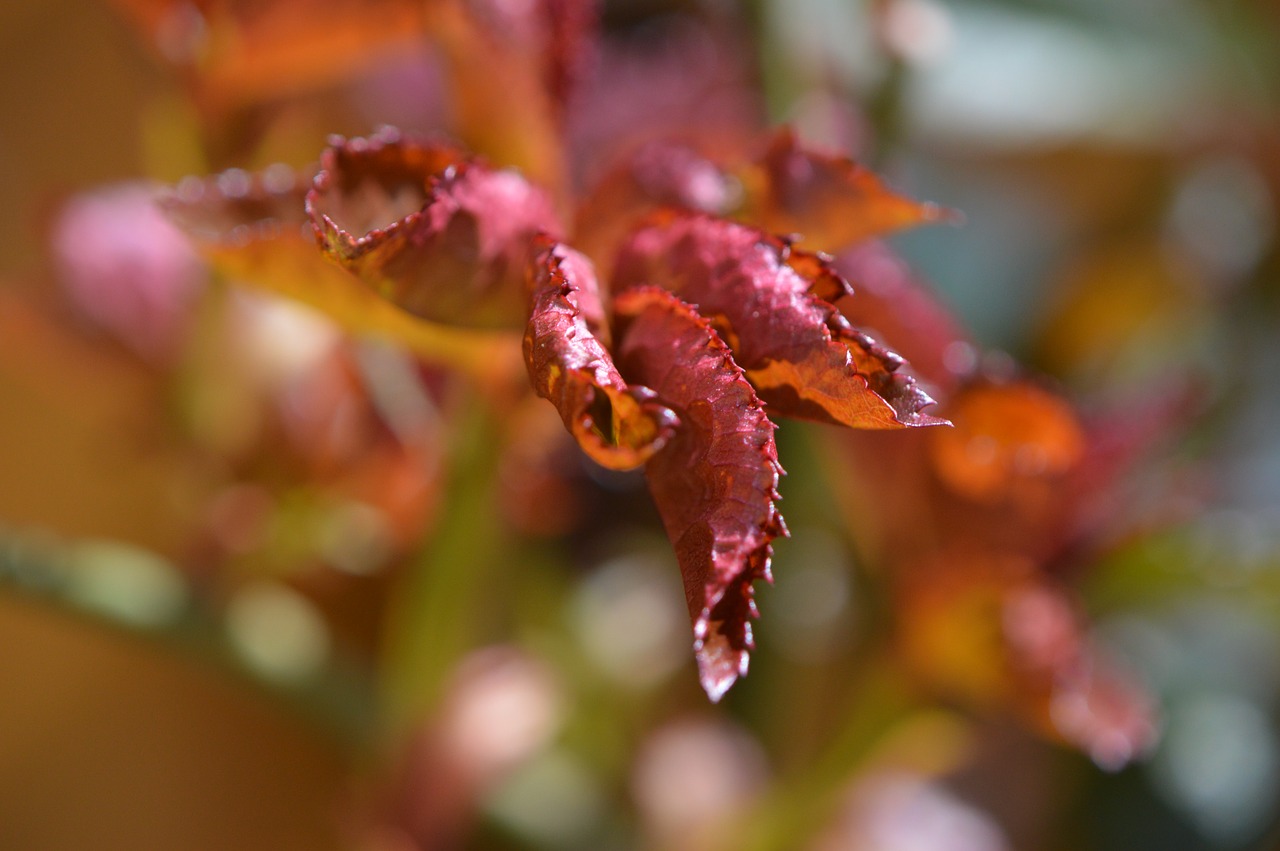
{"x":902,"y":812}
{"x":126,"y":269}
{"x":693,"y":777}
{"x":500,"y":708}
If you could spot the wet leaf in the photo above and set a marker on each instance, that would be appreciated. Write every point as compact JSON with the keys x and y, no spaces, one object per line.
{"x":441,"y":235}
{"x":253,"y":228}
{"x":618,"y":426}
{"x":715,"y":482}
{"x":827,"y":200}
{"x":770,"y":303}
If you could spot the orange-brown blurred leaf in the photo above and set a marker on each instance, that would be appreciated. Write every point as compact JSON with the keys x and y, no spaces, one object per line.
{"x":619,"y":427}
{"x":801,"y":355}
{"x":991,"y":631}
{"x":715,"y":483}
{"x":513,"y":67}
{"x":1007,"y":438}
{"x":241,"y":53}
{"x":441,"y":235}
{"x":827,"y":200}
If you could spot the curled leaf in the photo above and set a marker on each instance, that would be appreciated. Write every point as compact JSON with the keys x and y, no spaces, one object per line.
{"x":715,"y":483}
{"x":828,"y":200}
{"x":769,"y":300}
{"x":618,"y":426}
{"x":441,"y":235}
{"x":253,"y":228}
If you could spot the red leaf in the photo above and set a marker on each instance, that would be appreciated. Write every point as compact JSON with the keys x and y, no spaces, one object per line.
{"x":441,"y":235}
{"x":618,"y":426}
{"x":715,"y":483}
{"x":827,"y":200}
{"x":801,"y":355}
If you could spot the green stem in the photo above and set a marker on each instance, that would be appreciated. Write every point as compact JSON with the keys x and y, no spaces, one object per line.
{"x":803,"y":802}
{"x":438,"y":611}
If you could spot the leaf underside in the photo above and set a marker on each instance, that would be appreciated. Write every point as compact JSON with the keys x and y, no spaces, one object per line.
{"x":618,"y":426}
{"x":253,"y":229}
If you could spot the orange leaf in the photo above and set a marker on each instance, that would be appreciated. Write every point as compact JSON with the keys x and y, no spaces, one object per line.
{"x":246,"y":53}
{"x":827,"y":200}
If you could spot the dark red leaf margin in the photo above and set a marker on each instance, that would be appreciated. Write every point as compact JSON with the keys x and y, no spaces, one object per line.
{"x":770,"y":300}
{"x":618,"y":426}
{"x":716,"y":482}
{"x":440,"y":234}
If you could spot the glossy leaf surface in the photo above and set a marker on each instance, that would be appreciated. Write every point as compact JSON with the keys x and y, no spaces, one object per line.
{"x":441,"y":235}
{"x":618,"y":426}
{"x":802,"y":356}
{"x":715,"y":483}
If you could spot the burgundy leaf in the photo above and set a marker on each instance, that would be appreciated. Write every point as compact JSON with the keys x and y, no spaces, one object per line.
{"x":715,"y":482}
{"x":618,"y":426}
{"x":769,"y":301}
{"x":443,"y":236}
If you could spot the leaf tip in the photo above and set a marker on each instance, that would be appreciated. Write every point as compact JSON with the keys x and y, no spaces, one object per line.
{"x":934,"y":213}
{"x":720,"y":663}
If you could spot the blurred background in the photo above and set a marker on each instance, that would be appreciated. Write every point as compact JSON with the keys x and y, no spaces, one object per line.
{"x":264,"y":584}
